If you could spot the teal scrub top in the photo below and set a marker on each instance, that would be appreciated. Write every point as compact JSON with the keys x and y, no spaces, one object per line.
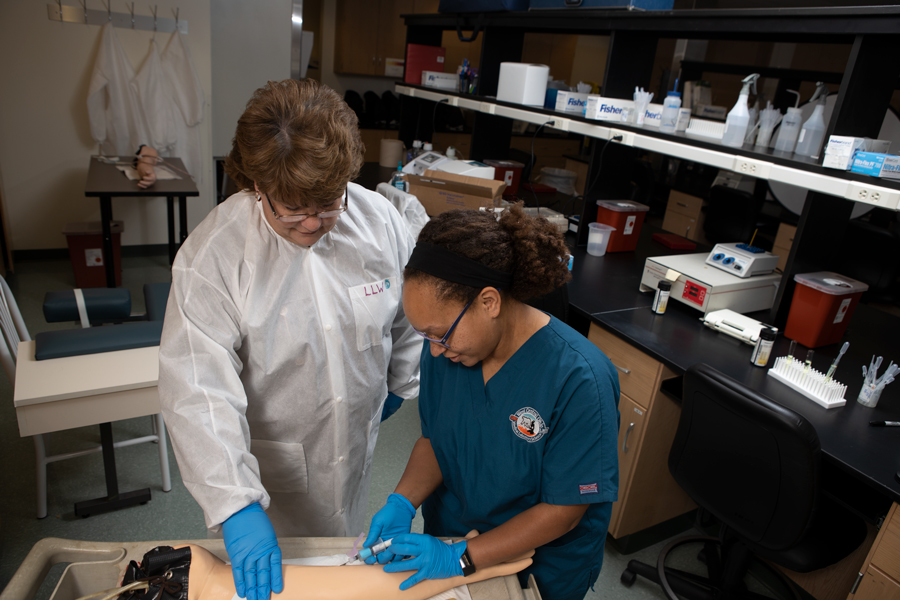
{"x":543,"y":429}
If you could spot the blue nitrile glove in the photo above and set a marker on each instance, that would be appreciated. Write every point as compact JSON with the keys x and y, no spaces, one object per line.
{"x":430,"y":558}
{"x":391,"y":405}
{"x":394,"y":518}
{"x":255,"y":556}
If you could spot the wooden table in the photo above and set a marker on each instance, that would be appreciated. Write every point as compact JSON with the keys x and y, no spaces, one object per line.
{"x":105,"y":181}
{"x":91,"y":389}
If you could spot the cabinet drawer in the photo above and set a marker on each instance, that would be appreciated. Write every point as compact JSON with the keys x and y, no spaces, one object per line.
{"x":638,"y":373}
{"x":682,"y":225}
{"x":689,"y":206}
{"x":875,"y":585}
{"x":631,"y":432}
{"x":785,"y":235}
{"x":887,"y":555}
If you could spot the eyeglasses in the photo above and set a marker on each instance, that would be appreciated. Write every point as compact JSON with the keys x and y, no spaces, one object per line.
{"x":327,"y":214}
{"x":443,"y":340}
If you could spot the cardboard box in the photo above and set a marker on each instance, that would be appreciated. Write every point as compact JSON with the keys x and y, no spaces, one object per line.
{"x":608,"y":109}
{"x":440,"y":80}
{"x":572,"y":102}
{"x":422,"y":58}
{"x":839,"y":151}
{"x":877,"y":165}
{"x":439,"y":192}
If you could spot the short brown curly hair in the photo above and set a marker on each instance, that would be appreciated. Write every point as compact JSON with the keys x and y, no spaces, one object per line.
{"x":530,"y":248}
{"x":298,"y":141}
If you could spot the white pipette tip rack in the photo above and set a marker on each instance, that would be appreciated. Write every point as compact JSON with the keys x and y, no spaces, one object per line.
{"x":811,"y":383}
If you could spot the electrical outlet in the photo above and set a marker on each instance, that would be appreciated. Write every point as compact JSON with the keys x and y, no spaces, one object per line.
{"x":751,"y":168}
{"x":870,"y":194}
{"x":627,"y":137}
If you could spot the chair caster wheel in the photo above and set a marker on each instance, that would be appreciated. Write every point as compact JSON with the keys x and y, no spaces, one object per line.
{"x":627,"y":578}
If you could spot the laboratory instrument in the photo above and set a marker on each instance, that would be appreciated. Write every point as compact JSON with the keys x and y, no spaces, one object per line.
{"x":661,"y":299}
{"x":837,"y":359}
{"x":763,"y":349}
{"x":742,"y":260}
{"x":813,"y":132}
{"x":708,"y":288}
{"x":790,"y":127}
{"x":736,"y":325}
{"x":738,"y":120}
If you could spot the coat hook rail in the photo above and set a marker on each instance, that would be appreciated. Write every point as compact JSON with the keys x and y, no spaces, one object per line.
{"x":57,"y":11}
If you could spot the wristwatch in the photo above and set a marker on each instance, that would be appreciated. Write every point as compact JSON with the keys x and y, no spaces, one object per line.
{"x":465,"y":563}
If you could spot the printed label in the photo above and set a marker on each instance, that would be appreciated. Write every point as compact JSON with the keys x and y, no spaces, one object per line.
{"x":528,"y":425}
{"x":694,"y":292}
{"x":842,"y":310}
{"x":629,"y":225}
{"x":590,"y":488}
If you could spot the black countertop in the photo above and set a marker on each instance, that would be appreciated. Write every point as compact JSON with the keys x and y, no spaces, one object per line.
{"x":607,"y":290}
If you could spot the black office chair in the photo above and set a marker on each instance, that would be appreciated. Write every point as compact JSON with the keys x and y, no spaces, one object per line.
{"x":754,"y":466}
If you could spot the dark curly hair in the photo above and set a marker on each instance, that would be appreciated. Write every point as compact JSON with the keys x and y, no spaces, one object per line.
{"x":299,"y":141}
{"x":530,"y":248}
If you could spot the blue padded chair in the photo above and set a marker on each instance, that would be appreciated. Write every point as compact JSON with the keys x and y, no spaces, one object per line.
{"x":101,"y":305}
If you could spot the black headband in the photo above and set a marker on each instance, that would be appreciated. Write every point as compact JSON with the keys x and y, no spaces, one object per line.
{"x":450,"y":266}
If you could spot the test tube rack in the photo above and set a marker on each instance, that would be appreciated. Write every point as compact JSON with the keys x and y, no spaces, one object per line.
{"x":811,"y":383}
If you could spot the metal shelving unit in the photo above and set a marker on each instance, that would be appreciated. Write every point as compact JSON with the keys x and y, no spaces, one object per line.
{"x":866,"y":84}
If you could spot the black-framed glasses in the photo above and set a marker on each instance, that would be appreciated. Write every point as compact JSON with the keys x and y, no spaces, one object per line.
{"x":443,"y":340}
{"x":299,"y":218}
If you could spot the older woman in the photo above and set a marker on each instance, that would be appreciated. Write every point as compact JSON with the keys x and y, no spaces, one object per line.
{"x":518,"y":412}
{"x":284,"y":334}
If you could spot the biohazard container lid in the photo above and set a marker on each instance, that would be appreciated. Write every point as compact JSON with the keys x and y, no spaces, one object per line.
{"x":831,"y":283}
{"x":623,"y":205}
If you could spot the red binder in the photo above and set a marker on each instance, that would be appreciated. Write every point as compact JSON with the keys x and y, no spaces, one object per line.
{"x":422,"y":58}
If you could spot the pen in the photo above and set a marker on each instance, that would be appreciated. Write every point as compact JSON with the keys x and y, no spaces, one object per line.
{"x":884,"y":423}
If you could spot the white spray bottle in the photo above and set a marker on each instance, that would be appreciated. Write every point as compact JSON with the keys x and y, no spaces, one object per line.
{"x":739,"y":118}
{"x":790,"y":127}
{"x":813,"y":132}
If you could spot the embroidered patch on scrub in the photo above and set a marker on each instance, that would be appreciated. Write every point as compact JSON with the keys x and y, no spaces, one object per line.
{"x":528,"y":424}
{"x":590,"y":488}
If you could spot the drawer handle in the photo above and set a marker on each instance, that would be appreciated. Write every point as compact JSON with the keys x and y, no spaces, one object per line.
{"x":625,"y":441}
{"x":681,"y":204}
{"x":623,"y":369}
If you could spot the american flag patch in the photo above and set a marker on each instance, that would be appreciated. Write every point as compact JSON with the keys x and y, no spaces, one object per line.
{"x":590,"y":488}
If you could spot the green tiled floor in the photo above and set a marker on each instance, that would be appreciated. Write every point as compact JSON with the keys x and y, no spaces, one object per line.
{"x":172,"y":515}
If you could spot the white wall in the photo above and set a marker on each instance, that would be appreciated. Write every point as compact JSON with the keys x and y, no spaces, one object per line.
{"x":251,"y":44}
{"x":45,"y":141}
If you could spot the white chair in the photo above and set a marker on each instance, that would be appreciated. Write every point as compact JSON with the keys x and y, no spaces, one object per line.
{"x":14,"y":331}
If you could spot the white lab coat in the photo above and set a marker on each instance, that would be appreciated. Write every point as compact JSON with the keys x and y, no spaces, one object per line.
{"x":113,"y":108}
{"x":409,"y":207}
{"x":151,"y":86}
{"x":189,"y":100}
{"x":276,"y":359}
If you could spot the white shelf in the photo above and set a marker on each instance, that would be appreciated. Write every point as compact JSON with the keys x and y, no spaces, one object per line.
{"x":856,"y":191}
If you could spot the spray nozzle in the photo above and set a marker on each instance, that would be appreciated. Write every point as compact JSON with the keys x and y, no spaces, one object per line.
{"x":821,"y":92}
{"x":796,"y":93}
{"x":749,"y":81}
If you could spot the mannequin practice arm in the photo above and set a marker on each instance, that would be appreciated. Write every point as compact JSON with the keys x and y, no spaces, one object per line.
{"x":210,"y":579}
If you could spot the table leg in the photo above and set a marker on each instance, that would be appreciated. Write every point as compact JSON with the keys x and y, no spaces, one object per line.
{"x":109,"y":259}
{"x":113,"y":500}
{"x":182,"y":219}
{"x":170,"y":214}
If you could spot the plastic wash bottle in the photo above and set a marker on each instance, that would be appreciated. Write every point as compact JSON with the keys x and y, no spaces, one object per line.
{"x":813,"y":132}
{"x":739,"y":117}
{"x":789,"y":128}
{"x":399,"y":180}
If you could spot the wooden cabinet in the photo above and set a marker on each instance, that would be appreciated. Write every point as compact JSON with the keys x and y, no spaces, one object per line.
{"x":684,"y":216}
{"x":880,"y":574}
{"x":784,"y":239}
{"x":648,"y":495}
{"x":368,"y":33}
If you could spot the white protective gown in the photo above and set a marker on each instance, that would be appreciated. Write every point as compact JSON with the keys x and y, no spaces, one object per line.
{"x":276,"y":359}
{"x":189,"y":102}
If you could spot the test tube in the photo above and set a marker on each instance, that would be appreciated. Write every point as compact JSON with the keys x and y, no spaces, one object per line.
{"x":790,"y":356}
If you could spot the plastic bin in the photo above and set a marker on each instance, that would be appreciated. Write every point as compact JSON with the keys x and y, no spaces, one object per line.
{"x":627,"y":217}
{"x":509,"y":171}
{"x":85,"y":242}
{"x":562,"y":179}
{"x":821,"y":308}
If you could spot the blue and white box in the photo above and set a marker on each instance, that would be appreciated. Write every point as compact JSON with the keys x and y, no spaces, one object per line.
{"x":653,"y":115}
{"x":876,"y":164}
{"x":572,"y":102}
{"x":441,"y":81}
{"x":608,"y":109}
